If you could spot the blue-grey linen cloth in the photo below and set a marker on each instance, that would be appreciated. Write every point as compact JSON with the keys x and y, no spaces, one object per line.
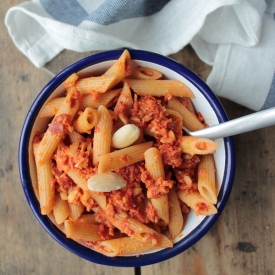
{"x":235,"y":37}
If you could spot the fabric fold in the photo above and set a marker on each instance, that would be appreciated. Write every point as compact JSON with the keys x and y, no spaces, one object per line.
{"x":236,"y":37}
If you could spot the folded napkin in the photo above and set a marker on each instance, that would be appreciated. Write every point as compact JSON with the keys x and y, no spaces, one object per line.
{"x":236,"y":37}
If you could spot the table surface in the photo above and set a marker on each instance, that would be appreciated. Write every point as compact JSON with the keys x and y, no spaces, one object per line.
{"x":241,"y":242}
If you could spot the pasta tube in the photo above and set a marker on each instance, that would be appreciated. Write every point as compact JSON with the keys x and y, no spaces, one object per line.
{"x":80,"y":230}
{"x":190,"y":121}
{"x":199,"y":146}
{"x":176,"y":219}
{"x":140,"y":72}
{"x":58,"y":127}
{"x":154,"y":165}
{"x":196,"y":202}
{"x":206,"y":178}
{"x":124,"y":157}
{"x":102,"y":135}
{"x":46,"y":189}
{"x":124,"y":104}
{"x":86,"y":121}
{"x":160,"y":87}
{"x":128,"y":246}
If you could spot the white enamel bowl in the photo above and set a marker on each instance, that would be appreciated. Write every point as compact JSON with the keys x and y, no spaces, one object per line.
{"x":205,"y":102}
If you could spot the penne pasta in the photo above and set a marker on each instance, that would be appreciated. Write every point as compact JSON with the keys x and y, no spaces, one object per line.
{"x":176,"y":219}
{"x":102,"y":134}
{"x":190,"y":121}
{"x":136,"y":229}
{"x":140,"y":72}
{"x":74,"y":136}
{"x":170,"y":112}
{"x":86,"y":121}
{"x":188,"y":104}
{"x":207,"y":179}
{"x":117,"y":174}
{"x":80,"y":230}
{"x":76,"y":210}
{"x":198,"y":146}
{"x":87,"y":218}
{"x":196,"y":202}
{"x":70,"y":81}
{"x":124,"y":157}
{"x":165,"y":88}
{"x":120,"y":69}
{"x":162,"y":207}
{"x":154,"y":165}
{"x":89,"y":100}
{"x":61,"y":209}
{"x":95,"y":84}
{"x":128,"y":246}
{"x":46,"y":190}
{"x":124,"y":104}
{"x":58,"y":127}
{"x":51,"y":108}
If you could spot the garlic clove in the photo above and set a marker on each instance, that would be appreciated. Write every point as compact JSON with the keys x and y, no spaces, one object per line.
{"x":106,"y":182}
{"x":125,"y":136}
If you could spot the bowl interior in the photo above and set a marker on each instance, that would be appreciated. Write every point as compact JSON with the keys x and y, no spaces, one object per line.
{"x":204,"y":102}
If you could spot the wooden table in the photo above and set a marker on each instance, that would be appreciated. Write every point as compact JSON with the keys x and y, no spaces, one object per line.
{"x":241,"y":242}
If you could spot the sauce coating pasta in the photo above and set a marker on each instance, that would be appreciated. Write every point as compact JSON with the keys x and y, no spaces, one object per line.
{"x":158,"y":183}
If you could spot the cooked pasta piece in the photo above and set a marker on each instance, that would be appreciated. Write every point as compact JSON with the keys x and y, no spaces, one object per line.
{"x":188,"y":104}
{"x":76,"y":210}
{"x":154,"y":165}
{"x":140,"y":72}
{"x":102,"y":134}
{"x":176,"y":219}
{"x":74,"y":136}
{"x":128,"y":246}
{"x":207,"y":178}
{"x":80,"y":230}
{"x":167,"y":88}
{"x":190,"y":121}
{"x":121,"y":68}
{"x":61,"y":209}
{"x":87,"y":218}
{"x":170,"y":112}
{"x":70,"y":81}
{"x":95,"y":100}
{"x":124,"y":104}
{"x":124,"y":157}
{"x":51,"y":107}
{"x":58,"y":127}
{"x":196,"y":202}
{"x":198,"y":146}
{"x":95,"y":84}
{"x":136,"y":229}
{"x":46,"y":189}
{"x":86,"y":121}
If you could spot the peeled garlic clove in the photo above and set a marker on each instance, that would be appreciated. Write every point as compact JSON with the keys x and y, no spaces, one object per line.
{"x":106,"y":182}
{"x":125,"y":136}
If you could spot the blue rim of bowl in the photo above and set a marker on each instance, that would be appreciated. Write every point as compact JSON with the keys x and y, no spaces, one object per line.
{"x":80,"y":250}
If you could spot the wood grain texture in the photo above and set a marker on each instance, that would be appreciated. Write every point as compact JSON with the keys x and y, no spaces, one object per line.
{"x":241,"y":242}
